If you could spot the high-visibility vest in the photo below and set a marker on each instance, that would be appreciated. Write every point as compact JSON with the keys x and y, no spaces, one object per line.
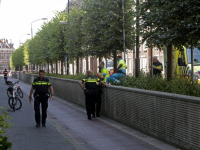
{"x":105,"y":72}
{"x":124,"y":66}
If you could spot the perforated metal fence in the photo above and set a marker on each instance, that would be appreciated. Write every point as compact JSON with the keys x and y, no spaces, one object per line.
{"x":169,"y":117}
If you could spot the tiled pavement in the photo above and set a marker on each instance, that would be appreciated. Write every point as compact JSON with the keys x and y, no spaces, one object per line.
{"x":68,"y":128}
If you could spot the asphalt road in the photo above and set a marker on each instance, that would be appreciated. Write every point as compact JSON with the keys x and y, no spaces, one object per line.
{"x":68,"y":128}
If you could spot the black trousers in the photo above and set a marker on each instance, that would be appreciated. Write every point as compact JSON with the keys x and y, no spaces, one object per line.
{"x":90,"y":103}
{"x":43,"y":99}
{"x":98,"y":103}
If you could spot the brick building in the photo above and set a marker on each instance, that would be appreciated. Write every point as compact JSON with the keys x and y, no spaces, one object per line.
{"x":6,"y":50}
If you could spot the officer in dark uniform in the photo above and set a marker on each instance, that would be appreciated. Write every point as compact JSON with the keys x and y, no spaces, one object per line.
{"x":41,"y":86}
{"x":90,"y":92}
{"x":157,"y":67}
{"x":98,"y":95}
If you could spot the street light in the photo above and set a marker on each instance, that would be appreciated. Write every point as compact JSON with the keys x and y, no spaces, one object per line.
{"x":20,"y":38}
{"x":35,"y":21}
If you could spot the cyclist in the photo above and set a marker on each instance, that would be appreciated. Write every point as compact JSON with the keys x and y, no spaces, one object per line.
{"x":5,"y":76}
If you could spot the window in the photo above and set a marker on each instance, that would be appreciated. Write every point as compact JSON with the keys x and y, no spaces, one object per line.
{"x":4,"y":56}
{"x":196,"y":55}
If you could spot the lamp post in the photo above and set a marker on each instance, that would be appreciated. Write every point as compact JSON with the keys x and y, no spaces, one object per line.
{"x":32,"y":23}
{"x":20,"y":38}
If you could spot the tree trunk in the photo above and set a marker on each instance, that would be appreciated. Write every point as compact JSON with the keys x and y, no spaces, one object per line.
{"x":56,"y":67}
{"x":51,"y":63}
{"x":115,"y":61}
{"x":77,"y":67}
{"x":169,"y":62}
{"x":33,"y":66}
{"x":61,"y":67}
{"x":87,"y":63}
{"x":99,"y":64}
{"x":73,"y":66}
{"x":48,"y":68}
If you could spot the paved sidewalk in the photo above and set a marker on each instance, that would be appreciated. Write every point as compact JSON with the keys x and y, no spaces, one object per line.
{"x":24,"y":135}
{"x":68,"y":128}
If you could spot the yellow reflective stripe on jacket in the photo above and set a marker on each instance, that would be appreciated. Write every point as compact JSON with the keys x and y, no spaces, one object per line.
{"x":159,"y":66}
{"x":91,"y":80}
{"x":124,"y":66}
{"x":41,"y":83}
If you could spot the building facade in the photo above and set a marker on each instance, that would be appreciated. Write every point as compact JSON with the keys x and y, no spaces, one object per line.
{"x":6,"y":50}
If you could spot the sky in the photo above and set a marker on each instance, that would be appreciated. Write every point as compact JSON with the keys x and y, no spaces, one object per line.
{"x":16,"y":17}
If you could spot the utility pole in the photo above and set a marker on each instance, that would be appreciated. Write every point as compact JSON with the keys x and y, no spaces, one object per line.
{"x":124,"y":38}
{"x":137,"y":60}
{"x":68,"y":55}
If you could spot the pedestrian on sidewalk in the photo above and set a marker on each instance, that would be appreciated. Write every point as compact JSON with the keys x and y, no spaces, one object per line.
{"x":5,"y":76}
{"x":41,"y":86}
{"x":89,"y":91}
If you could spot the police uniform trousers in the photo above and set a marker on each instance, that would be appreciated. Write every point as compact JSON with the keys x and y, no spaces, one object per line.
{"x":90,"y":103}
{"x":98,"y":102}
{"x":43,"y":99}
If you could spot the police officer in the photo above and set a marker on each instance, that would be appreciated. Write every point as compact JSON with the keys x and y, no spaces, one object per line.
{"x":157,"y":67}
{"x":98,"y":95}
{"x":90,"y":92}
{"x":104,"y":71}
{"x":41,"y":87}
{"x":121,"y":71}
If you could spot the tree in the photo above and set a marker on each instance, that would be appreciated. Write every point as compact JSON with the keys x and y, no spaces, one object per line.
{"x":103,"y":26}
{"x":74,"y":35}
{"x":167,"y":23}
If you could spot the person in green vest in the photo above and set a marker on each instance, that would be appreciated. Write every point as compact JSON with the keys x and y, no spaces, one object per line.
{"x":104,"y":71}
{"x":121,"y":71}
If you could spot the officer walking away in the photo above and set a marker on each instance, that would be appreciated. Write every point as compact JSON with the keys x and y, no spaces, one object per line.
{"x":41,"y":87}
{"x":121,"y":71}
{"x":104,"y":71}
{"x":5,"y":76}
{"x":90,"y":92}
{"x":98,"y":96}
{"x":157,"y":67}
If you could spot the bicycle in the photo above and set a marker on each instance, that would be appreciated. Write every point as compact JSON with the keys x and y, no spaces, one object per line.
{"x":19,"y":91}
{"x":14,"y":102}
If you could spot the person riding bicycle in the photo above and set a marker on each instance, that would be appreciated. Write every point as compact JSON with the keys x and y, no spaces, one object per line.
{"x":41,"y":85}
{"x":5,"y":76}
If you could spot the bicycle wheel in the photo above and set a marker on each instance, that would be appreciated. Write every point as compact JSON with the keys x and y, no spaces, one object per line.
{"x":9,"y":94}
{"x":15,"y":103}
{"x":20,"y":93}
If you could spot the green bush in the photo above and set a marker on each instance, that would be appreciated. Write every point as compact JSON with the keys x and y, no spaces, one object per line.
{"x":178,"y":85}
{"x":4,"y":143}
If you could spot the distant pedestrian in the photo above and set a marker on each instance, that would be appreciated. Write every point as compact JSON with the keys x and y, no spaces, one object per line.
{"x":121,"y":71}
{"x":104,"y":71}
{"x":41,"y":86}
{"x":5,"y":76}
{"x":157,"y":67}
